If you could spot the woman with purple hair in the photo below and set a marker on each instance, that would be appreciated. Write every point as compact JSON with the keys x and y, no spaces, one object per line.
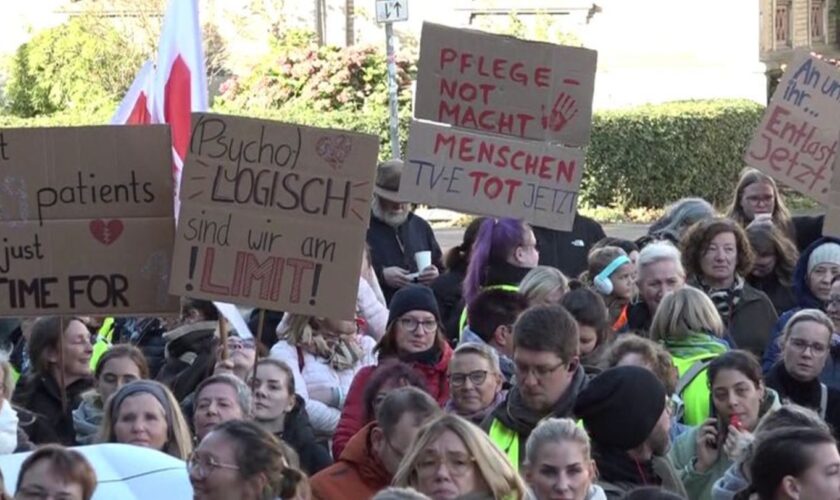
{"x":503,"y":253}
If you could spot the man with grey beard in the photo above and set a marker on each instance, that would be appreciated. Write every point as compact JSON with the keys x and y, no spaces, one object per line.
{"x":396,"y":234}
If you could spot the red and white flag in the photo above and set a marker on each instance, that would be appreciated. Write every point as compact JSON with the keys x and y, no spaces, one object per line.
{"x":180,"y":83}
{"x":175,"y":87}
{"x":136,"y":106}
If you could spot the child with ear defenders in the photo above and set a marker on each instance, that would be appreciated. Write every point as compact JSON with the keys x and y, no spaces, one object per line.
{"x":613,"y":275}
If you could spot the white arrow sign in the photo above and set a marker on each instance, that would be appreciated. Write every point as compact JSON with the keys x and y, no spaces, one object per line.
{"x":389,"y":11}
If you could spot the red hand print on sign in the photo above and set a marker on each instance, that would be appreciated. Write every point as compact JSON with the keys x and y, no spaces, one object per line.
{"x":565,"y":108}
{"x":106,"y":232}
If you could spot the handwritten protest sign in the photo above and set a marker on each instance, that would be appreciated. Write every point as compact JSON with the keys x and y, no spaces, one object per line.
{"x":797,"y":139}
{"x":492,"y":175}
{"x":273,"y":215}
{"x":86,"y":221}
{"x":499,"y":84}
{"x":831,"y":227}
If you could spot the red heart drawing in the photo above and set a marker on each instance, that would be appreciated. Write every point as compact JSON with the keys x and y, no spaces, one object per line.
{"x":106,"y":232}
{"x":334,"y":149}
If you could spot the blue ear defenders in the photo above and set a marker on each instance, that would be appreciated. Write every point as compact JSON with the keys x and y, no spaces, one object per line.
{"x":602,"y":281}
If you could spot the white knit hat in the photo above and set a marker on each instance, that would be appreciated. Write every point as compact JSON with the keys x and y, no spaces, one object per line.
{"x":826,"y":253}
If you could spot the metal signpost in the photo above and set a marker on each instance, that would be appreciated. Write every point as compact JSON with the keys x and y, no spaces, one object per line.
{"x":389,"y":12}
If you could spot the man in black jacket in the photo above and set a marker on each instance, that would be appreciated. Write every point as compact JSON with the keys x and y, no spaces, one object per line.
{"x":395,"y":234}
{"x":568,"y":250}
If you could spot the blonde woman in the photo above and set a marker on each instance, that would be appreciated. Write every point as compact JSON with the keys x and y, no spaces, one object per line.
{"x":145,"y":413}
{"x":544,"y":286}
{"x":756,"y":196}
{"x":558,"y":462}
{"x":689,"y":327}
{"x":324,"y":356}
{"x":451,"y":458}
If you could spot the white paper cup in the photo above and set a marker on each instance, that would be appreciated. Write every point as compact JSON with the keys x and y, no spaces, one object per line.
{"x":423,"y":260}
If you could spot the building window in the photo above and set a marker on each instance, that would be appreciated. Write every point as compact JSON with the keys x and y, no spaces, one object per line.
{"x":818,"y":21}
{"x":782,"y":24}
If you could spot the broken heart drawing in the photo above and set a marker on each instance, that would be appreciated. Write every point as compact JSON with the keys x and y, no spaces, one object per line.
{"x":334,"y":149}
{"x":106,"y":232}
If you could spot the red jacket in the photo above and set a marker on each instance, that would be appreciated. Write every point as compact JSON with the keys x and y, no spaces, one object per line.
{"x":357,"y":475}
{"x":353,"y":415}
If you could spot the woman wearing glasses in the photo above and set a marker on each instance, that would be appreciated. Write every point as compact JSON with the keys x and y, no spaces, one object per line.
{"x":414,"y":336}
{"x":60,"y":354}
{"x":806,"y":344}
{"x":475,"y":382}
{"x":451,"y":458}
{"x":324,"y":356}
{"x":241,"y":460}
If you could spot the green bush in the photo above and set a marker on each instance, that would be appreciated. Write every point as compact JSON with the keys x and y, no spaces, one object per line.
{"x":327,"y":86}
{"x":652,"y":155}
{"x":82,"y":65}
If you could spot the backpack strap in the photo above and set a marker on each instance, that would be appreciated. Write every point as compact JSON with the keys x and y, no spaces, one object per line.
{"x":823,"y":400}
{"x":688,"y":377}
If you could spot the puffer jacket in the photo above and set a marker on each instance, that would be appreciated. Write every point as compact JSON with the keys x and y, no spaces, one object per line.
{"x":312,"y":372}
{"x":353,"y":415}
{"x":805,"y":300}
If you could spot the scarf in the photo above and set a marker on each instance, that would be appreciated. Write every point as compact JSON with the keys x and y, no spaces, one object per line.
{"x":342,"y":352}
{"x":478,"y":416}
{"x":8,"y":428}
{"x":724,"y":299}
{"x":429,"y":357}
{"x":695,"y":344}
{"x":617,"y":467}
{"x":87,"y":418}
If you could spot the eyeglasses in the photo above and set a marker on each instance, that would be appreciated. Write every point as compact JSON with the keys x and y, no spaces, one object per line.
{"x":523,"y":371}
{"x":477,"y":378}
{"x":457,"y":464}
{"x":834,"y":300}
{"x":411,"y":324}
{"x":204,"y":465}
{"x":802,"y":346}
{"x":235,"y":345}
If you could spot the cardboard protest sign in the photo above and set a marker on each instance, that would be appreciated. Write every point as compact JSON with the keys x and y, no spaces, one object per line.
{"x":797,"y":139}
{"x":492,"y":175}
{"x":831,"y":226}
{"x":503,"y":85}
{"x":86,"y":221}
{"x":274,"y":215}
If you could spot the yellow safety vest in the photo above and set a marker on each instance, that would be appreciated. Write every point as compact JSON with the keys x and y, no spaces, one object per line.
{"x":506,"y":440}
{"x":103,"y":341}
{"x":463,"y":321}
{"x":693,"y":387}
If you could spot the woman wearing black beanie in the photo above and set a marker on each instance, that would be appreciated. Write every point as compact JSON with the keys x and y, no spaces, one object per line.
{"x":414,"y":336}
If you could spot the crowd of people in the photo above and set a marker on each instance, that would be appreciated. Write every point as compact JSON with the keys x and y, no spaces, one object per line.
{"x":700,"y":362}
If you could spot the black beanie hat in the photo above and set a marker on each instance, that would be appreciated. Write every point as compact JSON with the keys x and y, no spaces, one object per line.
{"x":621,"y":406}
{"x":412,"y":298}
